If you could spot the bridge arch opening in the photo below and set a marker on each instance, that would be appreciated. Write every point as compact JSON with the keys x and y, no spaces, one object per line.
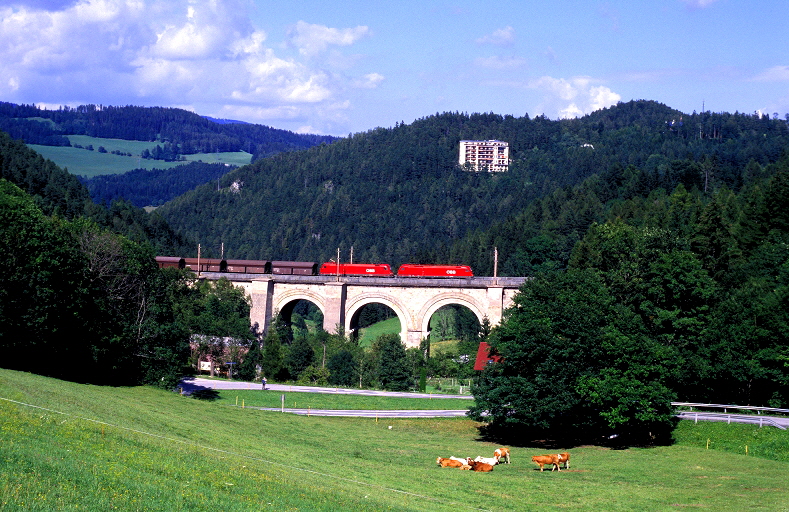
{"x":452,"y":342}
{"x":301,"y":313}
{"x":302,"y":316}
{"x":453,"y":322}
{"x":384,"y":316}
{"x":454,"y":303}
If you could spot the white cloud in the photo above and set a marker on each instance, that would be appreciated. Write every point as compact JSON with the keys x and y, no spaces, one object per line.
{"x":312,"y":39}
{"x":500,"y":37}
{"x":369,"y":81}
{"x":774,"y":74}
{"x":165,"y":52}
{"x":574,"y":97}
{"x":698,"y":4}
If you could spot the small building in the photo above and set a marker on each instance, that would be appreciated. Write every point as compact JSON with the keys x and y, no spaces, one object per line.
{"x":484,"y":356}
{"x":485,"y":155}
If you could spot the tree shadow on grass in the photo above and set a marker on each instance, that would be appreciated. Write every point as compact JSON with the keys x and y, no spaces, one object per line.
{"x":553,"y":441}
{"x":205,"y":394}
{"x":198,"y":392}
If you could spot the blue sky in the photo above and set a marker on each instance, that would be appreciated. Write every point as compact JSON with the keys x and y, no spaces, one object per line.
{"x":349,"y":66}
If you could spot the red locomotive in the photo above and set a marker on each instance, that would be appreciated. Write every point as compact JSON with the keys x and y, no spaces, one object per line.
{"x":356,"y":269}
{"x":414,"y":270}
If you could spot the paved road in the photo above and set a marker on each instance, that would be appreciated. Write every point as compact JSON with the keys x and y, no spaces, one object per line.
{"x":190,"y":385}
{"x":193,"y":384}
{"x":197,"y":383}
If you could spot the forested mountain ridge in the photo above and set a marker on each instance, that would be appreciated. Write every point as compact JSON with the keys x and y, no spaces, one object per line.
{"x":397,"y":194}
{"x":185,"y":132}
{"x":56,"y":192}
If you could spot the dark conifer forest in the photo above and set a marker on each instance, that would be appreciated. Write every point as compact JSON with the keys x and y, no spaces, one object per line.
{"x":143,"y":187}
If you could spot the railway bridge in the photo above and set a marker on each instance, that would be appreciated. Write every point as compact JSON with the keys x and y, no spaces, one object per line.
{"x":341,"y":298}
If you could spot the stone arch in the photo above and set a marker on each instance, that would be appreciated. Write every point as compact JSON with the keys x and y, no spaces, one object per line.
{"x":282,"y":300}
{"x":352,"y":306}
{"x":446,"y":299}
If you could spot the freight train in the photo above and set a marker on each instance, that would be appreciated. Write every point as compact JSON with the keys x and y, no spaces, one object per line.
{"x":305,"y":268}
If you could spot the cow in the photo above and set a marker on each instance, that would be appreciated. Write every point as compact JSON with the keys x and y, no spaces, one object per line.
{"x":564,"y":457}
{"x":488,"y":460}
{"x":542,"y":460}
{"x":502,"y":453}
{"x":459,"y":459}
{"x":479,"y":466}
{"x":448,"y":463}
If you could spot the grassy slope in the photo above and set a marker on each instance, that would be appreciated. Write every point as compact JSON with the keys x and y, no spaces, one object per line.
{"x":92,"y":163}
{"x":369,"y":334}
{"x":161,"y":451}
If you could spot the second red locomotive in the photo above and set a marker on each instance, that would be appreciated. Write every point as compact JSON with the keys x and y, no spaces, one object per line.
{"x":414,"y":270}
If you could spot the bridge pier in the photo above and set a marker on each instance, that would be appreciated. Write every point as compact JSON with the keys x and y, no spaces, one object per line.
{"x":414,"y":338}
{"x":335,"y":295}
{"x":261,"y":291}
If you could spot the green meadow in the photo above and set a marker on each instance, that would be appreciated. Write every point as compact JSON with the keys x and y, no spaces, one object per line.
{"x":88,"y":163}
{"x":369,"y":334}
{"x":254,"y":397}
{"x":67,"y":446}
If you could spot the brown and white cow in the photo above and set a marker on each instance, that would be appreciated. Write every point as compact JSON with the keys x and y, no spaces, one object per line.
{"x":542,"y":460}
{"x":479,"y":466}
{"x":502,"y":453}
{"x":448,"y":463}
{"x":564,"y":457}
{"x":487,"y":460}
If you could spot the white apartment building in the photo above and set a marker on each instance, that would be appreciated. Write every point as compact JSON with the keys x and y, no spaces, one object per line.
{"x":485,"y":155}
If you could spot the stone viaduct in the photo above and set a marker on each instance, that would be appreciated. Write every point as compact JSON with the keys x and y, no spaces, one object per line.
{"x":340,"y":299}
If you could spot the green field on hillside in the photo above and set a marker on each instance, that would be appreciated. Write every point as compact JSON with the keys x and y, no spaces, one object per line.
{"x":72,"y":446}
{"x":369,"y":334}
{"x":88,"y":163}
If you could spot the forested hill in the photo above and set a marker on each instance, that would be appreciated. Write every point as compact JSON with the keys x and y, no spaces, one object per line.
{"x":187,"y":131}
{"x":56,"y":192}
{"x":398,"y":195}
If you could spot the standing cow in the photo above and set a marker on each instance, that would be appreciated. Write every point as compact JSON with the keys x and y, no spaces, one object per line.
{"x":502,"y":453}
{"x":542,"y":460}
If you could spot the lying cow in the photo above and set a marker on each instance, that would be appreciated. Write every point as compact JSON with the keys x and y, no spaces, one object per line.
{"x":564,"y":457}
{"x":542,"y":460}
{"x":479,"y":466}
{"x":488,"y":460}
{"x":502,"y":453}
{"x":449,"y":463}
